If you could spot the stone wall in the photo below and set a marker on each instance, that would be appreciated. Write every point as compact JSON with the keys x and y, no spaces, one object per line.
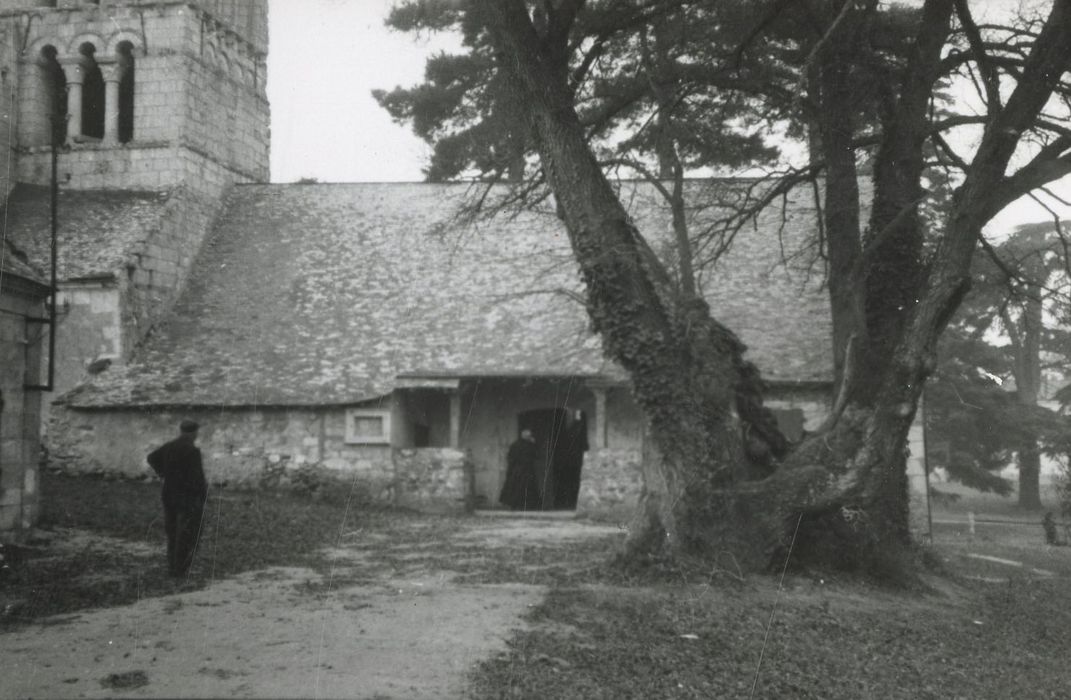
{"x":249,"y":18}
{"x":225,"y":120}
{"x":264,"y":448}
{"x":88,"y":329}
{"x":247,"y":447}
{"x":9,"y":96}
{"x":19,"y":415}
{"x":433,"y":478}
{"x":611,"y":482}
{"x":240,"y":446}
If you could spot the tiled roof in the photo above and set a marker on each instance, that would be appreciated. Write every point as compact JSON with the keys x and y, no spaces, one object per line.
{"x":97,"y":230}
{"x":324,"y":294}
{"x":12,"y":262}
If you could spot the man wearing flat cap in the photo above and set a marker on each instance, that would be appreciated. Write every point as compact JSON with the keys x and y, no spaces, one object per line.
{"x":178,"y":463}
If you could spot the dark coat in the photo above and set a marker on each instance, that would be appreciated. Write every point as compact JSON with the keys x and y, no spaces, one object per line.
{"x":521,"y":488}
{"x":178,"y":463}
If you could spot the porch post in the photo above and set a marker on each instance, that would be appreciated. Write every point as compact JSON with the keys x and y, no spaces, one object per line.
{"x":600,"y":416}
{"x":455,"y":418}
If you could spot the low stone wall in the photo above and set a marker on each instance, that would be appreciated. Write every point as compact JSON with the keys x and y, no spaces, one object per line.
{"x":267,"y":448}
{"x":433,"y":478}
{"x":610,"y":483}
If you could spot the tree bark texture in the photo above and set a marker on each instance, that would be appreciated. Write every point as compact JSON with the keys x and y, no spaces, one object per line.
{"x":894,"y":265}
{"x":833,"y":92}
{"x":1027,"y":371}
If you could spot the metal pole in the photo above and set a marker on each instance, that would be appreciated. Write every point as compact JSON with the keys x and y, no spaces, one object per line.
{"x":55,"y":258}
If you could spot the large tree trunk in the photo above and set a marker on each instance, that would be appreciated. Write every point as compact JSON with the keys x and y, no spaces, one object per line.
{"x":1027,"y":347}
{"x":842,"y":493}
{"x":832,"y":89}
{"x":1029,"y":477}
{"x":684,"y":366}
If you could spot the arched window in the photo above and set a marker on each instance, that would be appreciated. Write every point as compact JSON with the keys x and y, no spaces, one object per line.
{"x":92,"y":94}
{"x":54,"y":94}
{"x":125,"y":52}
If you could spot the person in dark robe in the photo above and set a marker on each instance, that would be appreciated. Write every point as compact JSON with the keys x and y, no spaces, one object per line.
{"x":569,"y":459}
{"x":521,"y":488}
{"x":178,"y":463}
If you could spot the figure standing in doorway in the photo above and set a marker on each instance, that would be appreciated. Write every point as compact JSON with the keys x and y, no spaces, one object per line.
{"x":569,"y":452}
{"x":178,"y":463}
{"x":521,"y":489}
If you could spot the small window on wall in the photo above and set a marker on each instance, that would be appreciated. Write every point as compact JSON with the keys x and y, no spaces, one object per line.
{"x":367,"y":426}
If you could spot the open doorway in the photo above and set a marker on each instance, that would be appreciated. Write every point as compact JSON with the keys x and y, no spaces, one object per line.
{"x":562,"y":438}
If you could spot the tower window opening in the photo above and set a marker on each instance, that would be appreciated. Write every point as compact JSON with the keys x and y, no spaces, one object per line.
{"x":92,"y":94}
{"x":54,"y":95}
{"x":125,"y":51}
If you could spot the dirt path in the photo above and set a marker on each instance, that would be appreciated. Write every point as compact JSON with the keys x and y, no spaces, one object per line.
{"x":387,"y":622}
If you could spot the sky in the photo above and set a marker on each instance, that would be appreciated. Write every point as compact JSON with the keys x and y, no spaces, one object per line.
{"x":324,"y":59}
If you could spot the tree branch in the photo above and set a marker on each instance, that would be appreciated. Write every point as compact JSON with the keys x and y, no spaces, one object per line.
{"x":974,"y":37}
{"x":1038,"y":172}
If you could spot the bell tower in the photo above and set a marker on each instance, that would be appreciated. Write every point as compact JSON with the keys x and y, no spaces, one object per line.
{"x":155,"y":108}
{"x":139,"y":94}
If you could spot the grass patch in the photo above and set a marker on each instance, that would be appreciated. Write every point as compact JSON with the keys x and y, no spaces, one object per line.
{"x":661,"y":631}
{"x":825,"y":642}
{"x":243,"y":531}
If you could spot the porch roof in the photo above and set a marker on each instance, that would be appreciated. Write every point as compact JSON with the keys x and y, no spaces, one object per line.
{"x":97,"y":230}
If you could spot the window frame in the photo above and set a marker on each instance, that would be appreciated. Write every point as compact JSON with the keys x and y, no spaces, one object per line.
{"x":353,"y":414}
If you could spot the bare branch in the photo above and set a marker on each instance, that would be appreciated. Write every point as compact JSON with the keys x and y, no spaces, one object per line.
{"x":949,"y":152}
{"x":989,"y":73}
{"x":1058,"y":226}
{"x":1040,"y":171}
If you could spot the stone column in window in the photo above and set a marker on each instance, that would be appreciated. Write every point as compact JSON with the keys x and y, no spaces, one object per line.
{"x":75,"y":78}
{"x":112,"y":74}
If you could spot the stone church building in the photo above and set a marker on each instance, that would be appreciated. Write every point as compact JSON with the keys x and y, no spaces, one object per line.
{"x":361,"y":329}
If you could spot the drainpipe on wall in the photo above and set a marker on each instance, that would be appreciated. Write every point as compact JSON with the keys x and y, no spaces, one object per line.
{"x":54,"y":289}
